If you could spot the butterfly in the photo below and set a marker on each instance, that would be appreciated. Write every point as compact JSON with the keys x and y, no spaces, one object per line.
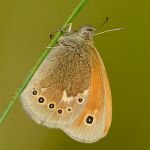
{"x":70,"y":90}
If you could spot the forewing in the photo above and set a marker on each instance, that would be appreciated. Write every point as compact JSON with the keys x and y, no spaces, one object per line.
{"x":58,"y":92}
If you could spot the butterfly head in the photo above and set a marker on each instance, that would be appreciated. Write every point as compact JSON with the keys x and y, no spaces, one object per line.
{"x":87,"y":32}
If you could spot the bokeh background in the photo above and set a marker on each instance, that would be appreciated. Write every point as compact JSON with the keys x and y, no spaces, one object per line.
{"x":25,"y":26}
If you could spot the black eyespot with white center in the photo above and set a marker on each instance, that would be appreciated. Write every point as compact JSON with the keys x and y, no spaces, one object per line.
{"x":80,"y":100}
{"x":89,"y":119}
{"x":41,"y":100}
{"x":34,"y":92}
{"x":59,"y":111}
{"x":51,"y":106}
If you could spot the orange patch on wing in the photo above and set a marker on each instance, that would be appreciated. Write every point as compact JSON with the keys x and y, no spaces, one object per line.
{"x":108,"y":103}
{"x":95,"y":100}
{"x":99,"y":91}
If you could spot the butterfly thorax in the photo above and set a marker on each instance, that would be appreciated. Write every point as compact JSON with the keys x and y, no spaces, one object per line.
{"x":80,"y":38}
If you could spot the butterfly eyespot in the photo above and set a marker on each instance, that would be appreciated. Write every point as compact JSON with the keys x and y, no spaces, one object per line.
{"x":69,"y":109}
{"x":59,"y":111}
{"x":80,"y":100}
{"x":41,"y":100}
{"x":51,"y":106}
{"x":89,"y":119}
{"x":34,"y":92}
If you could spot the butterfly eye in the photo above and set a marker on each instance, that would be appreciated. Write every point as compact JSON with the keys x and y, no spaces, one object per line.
{"x":89,"y":119}
{"x":80,"y":100}
{"x":89,"y":29}
{"x":34,"y":92}
{"x":41,"y":100}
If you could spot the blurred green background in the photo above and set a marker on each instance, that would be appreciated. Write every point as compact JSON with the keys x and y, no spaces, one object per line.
{"x":25,"y":26}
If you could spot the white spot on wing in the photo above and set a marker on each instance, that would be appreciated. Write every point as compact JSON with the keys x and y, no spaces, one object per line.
{"x":65,"y":98}
{"x":43,"y":89}
{"x":69,"y":99}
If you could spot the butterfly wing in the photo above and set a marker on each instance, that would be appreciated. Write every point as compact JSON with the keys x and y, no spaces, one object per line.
{"x":58,"y":91}
{"x":70,"y":91}
{"x":94,"y":121}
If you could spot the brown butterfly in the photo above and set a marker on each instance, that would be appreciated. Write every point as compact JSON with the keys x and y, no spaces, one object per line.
{"x":70,"y":90}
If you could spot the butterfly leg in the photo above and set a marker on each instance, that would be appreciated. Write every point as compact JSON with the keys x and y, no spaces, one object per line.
{"x":68,"y":26}
{"x":50,"y":47}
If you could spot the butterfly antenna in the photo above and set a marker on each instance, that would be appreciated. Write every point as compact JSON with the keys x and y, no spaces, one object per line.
{"x":106,"y":20}
{"x":117,"y":29}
